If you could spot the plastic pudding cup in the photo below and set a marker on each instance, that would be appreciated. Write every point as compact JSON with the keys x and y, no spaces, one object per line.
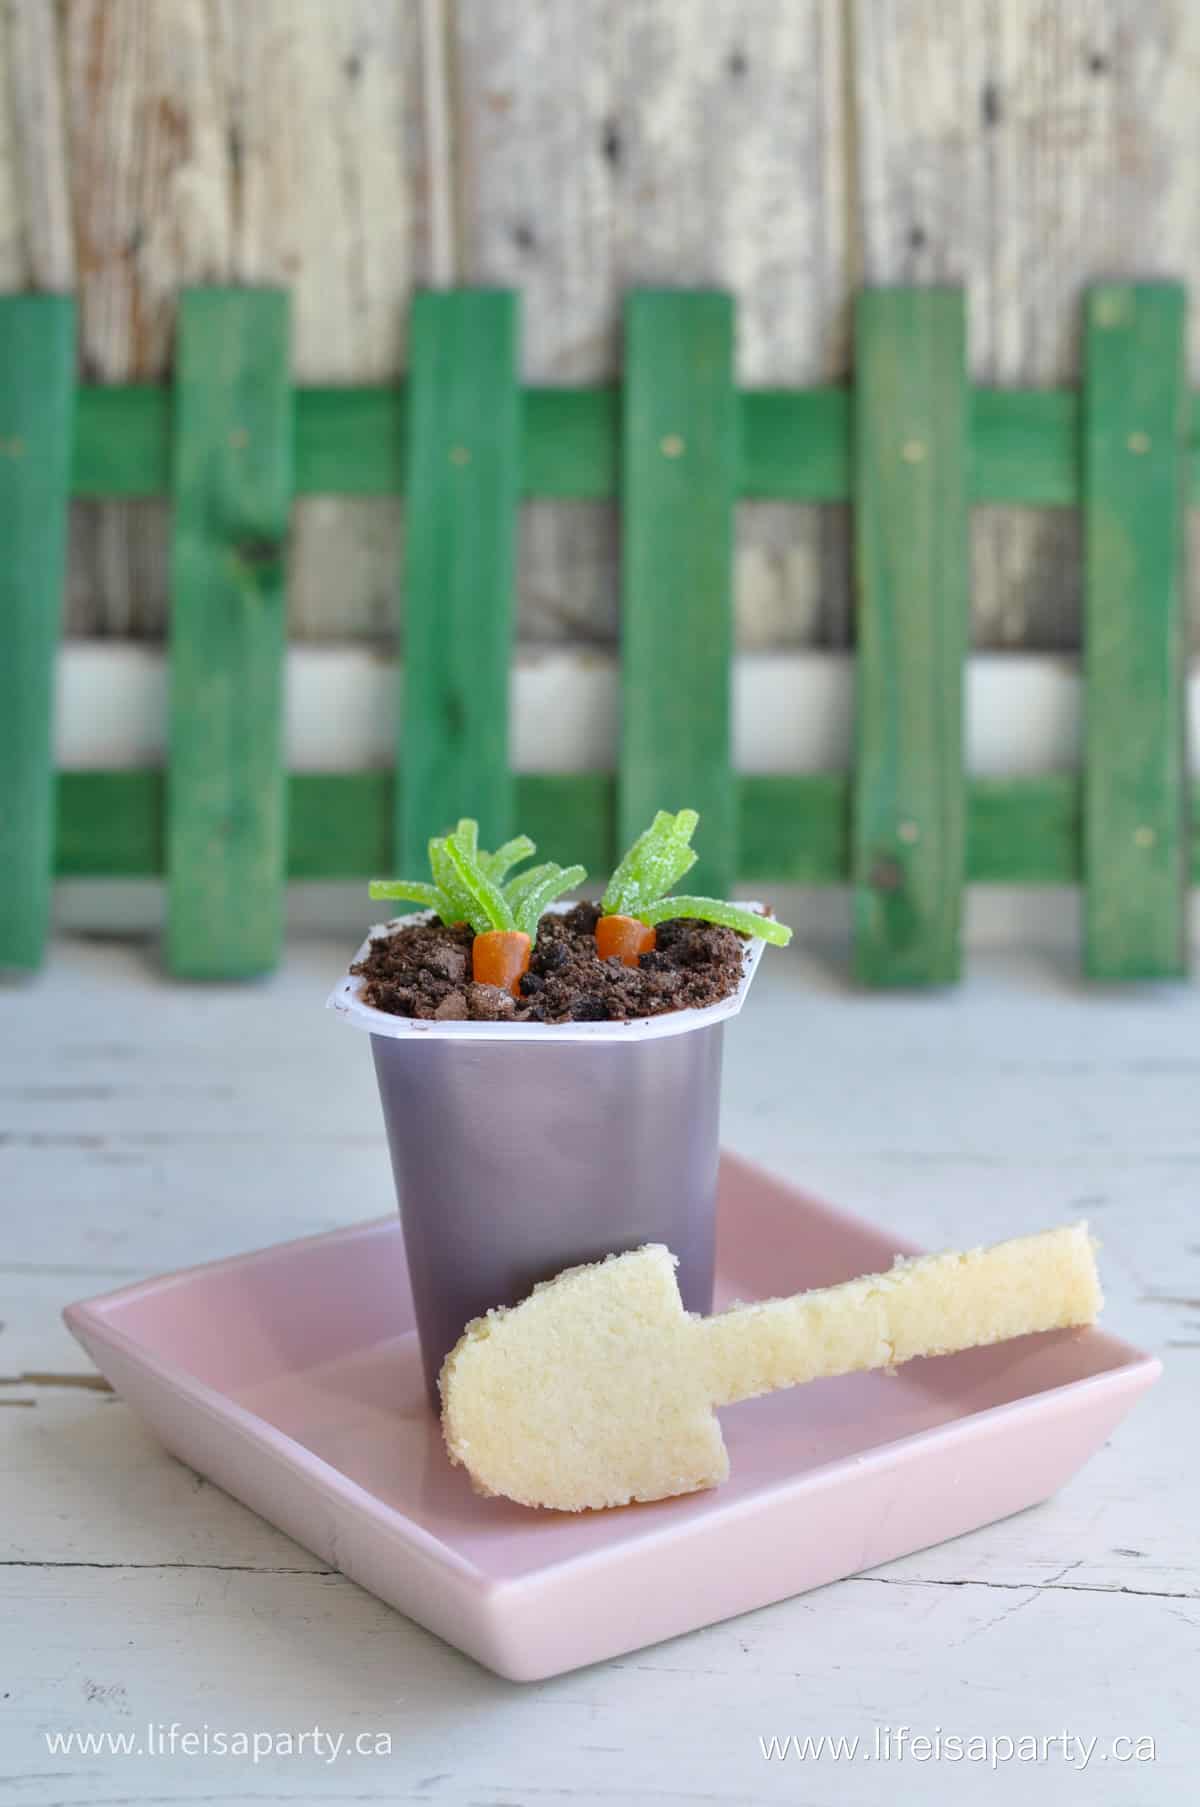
{"x":519,"y":1149}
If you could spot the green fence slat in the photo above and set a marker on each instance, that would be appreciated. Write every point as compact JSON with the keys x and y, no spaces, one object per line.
{"x":795,"y":444}
{"x":1025,"y":446}
{"x":570,"y":443}
{"x":911,"y":546}
{"x":678,"y":486}
{"x":37,"y":393}
{"x":111,"y":824}
{"x":232,"y":486}
{"x":122,"y":442}
{"x":1021,"y":831}
{"x":794,"y":829}
{"x":1025,"y":831}
{"x":572,"y":816}
{"x":340,"y":823}
{"x":350,"y":442}
{"x":1134,"y":444}
{"x":464,"y":459}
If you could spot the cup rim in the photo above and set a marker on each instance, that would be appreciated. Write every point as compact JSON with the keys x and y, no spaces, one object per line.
{"x":346,"y":1001}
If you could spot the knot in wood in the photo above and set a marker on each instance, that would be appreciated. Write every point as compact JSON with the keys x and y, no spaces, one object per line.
{"x":259,"y":552}
{"x":886,"y":874}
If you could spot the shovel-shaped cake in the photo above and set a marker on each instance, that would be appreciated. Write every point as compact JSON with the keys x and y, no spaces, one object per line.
{"x":599,"y":1389}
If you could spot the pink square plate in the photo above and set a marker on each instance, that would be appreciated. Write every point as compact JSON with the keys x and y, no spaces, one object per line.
{"x":291,"y":1378}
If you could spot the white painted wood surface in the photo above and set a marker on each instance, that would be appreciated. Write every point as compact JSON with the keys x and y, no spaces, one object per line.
{"x":145,"y":1126}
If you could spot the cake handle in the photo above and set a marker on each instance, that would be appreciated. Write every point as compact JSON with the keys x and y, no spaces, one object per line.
{"x":923,"y":1305}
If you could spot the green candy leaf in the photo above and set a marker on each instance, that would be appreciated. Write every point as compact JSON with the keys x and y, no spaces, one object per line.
{"x":657,"y":860}
{"x":468,"y":884}
{"x":712,"y":909}
{"x":412,"y":891}
{"x":447,"y":880}
{"x":487,"y":906}
{"x":535,"y":897}
{"x":517,"y":889}
{"x":498,"y":865}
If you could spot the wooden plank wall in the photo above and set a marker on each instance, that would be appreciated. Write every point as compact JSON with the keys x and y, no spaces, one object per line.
{"x":785,"y":149}
{"x":186,"y":141}
{"x":1024,"y":149}
{"x":651,"y":142}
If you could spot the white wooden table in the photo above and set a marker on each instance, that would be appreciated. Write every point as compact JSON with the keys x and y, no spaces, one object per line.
{"x":144,"y":1126}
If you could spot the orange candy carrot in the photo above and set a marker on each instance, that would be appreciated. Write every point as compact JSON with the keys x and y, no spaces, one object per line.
{"x":501,"y":957}
{"x":623,"y":938}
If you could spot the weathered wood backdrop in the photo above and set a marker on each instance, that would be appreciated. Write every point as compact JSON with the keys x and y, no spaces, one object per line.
{"x":786,"y":149}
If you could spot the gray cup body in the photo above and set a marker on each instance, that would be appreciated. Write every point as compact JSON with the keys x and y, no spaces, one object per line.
{"x":515,"y":1160}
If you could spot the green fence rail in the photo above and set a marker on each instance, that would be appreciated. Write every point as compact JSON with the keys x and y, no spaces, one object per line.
{"x":910,"y":444}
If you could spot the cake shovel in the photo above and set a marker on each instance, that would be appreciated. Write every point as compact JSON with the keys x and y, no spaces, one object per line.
{"x":599,"y":1389}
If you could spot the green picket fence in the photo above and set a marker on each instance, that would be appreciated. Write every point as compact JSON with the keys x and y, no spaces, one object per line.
{"x":910,"y":444}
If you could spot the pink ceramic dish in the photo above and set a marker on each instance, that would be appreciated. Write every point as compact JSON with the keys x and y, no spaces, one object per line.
{"x":292,"y":1379}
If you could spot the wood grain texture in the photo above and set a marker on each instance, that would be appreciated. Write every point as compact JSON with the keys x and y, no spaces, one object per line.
{"x":226,"y":835}
{"x":1023,"y":150}
{"x":37,"y":398}
{"x":1135,"y":776}
{"x":276,"y":143}
{"x":604,"y":147}
{"x":152,"y":210}
{"x":328,"y":185}
{"x":911,"y":414}
{"x":782,"y":151}
{"x":678,"y":478}
{"x":464,"y":447}
{"x":36,"y":245}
